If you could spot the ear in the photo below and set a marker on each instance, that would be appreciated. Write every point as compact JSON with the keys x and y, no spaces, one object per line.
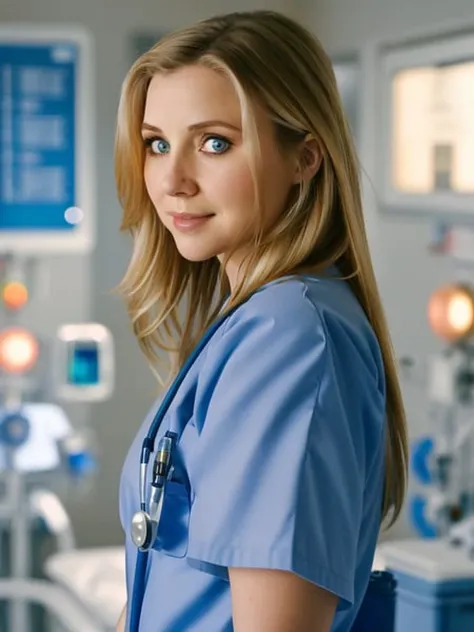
{"x":309,"y":159}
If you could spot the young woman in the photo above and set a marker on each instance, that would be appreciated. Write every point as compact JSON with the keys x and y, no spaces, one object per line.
{"x":240,"y":185}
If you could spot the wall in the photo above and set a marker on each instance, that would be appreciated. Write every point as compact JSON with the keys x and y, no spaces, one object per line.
{"x":406,"y":272}
{"x":112,"y":23}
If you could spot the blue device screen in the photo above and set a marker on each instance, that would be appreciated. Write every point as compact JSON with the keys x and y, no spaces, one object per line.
{"x":83,"y":363}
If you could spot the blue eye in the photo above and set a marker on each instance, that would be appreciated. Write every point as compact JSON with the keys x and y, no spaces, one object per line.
{"x":161,"y":147}
{"x":158,"y":146}
{"x":216,"y":144}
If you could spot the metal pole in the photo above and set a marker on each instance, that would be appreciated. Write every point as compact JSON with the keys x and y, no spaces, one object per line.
{"x":20,"y":548}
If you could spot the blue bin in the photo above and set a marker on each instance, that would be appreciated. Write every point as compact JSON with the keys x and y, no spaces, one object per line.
{"x":435,"y":586}
{"x":444,"y":606}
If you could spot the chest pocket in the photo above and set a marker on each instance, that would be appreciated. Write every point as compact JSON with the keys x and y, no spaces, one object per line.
{"x":172,"y":537}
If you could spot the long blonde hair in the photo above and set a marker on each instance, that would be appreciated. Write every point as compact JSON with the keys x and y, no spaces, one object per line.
{"x":274,"y":61}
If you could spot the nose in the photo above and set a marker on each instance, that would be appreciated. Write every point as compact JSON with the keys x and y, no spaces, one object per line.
{"x":177,"y":177}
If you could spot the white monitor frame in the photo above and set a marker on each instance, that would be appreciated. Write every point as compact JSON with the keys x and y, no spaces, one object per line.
{"x":83,"y":332}
{"x":81,"y":238}
{"x":439,"y":50}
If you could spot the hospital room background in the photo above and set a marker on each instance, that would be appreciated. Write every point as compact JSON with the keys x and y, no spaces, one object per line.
{"x":73,"y":383}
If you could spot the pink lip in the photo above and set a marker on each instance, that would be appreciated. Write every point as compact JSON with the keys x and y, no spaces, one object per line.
{"x":188,"y":221}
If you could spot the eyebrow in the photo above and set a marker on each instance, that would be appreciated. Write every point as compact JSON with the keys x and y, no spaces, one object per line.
{"x":195,"y":126}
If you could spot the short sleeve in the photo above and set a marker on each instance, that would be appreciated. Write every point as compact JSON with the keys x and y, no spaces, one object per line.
{"x":281,"y":462}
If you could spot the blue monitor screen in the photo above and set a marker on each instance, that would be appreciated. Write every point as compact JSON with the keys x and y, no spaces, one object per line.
{"x":83,"y":363}
{"x":38,"y":140}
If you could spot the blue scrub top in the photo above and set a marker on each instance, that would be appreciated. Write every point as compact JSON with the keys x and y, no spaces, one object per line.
{"x":281,"y":461}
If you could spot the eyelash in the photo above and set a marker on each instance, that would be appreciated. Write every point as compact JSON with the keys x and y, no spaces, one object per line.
{"x":152,"y":139}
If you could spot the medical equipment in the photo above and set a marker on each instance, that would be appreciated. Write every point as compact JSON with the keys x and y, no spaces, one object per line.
{"x":435,"y":575}
{"x":47,"y":197}
{"x":83,"y":363}
{"x":438,"y":461}
{"x":47,"y":208}
{"x":145,"y":524}
{"x":37,"y":440}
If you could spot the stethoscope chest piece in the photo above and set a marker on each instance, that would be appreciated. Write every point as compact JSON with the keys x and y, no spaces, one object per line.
{"x":144,"y":527}
{"x":143,"y":531}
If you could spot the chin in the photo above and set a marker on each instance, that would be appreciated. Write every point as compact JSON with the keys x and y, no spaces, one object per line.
{"x":195,"y":256}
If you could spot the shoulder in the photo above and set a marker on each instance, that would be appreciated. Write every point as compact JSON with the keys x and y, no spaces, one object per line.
{"x":278,"y":305}
{"x":291,"y":315}
{"x":313,"y":307}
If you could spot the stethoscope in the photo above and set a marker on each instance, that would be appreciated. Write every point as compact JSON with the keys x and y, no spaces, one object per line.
{"x":145,"y":522}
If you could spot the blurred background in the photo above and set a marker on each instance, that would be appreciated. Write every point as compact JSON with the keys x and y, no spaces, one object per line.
{"x":406,"y":76}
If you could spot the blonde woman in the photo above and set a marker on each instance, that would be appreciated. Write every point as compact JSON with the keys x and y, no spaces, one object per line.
{"x":282,"y":448}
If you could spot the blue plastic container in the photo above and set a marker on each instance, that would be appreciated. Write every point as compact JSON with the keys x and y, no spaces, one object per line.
{"x":435,"y":586}
{"x":377,"y":613}
{"x":435,"y":607}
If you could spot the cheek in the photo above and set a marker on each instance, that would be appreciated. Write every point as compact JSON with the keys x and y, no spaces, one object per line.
{"x":237,"y":188}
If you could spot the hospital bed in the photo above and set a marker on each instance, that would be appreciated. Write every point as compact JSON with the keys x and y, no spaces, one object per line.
{"x":86,"y":592}
{"x":94,"y":579}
